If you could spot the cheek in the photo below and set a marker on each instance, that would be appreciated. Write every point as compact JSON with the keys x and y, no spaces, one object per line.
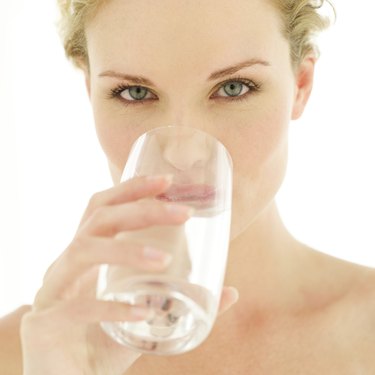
{"x":259,"y":151}
{"x":115,"y":145}
{"x":260,"y":143}
{"x":116,"y":134}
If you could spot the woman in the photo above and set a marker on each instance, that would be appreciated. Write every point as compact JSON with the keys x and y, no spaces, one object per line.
{"x":240,"y":73}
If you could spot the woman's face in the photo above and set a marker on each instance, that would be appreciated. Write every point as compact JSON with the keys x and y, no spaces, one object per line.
{"x":220,"y":68}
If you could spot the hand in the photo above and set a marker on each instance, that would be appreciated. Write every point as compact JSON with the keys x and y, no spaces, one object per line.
{"x":61,"y":334}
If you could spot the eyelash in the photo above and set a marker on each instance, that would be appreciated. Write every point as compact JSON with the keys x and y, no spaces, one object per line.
{"x":116,"y":94}
{"x":253,"y":87}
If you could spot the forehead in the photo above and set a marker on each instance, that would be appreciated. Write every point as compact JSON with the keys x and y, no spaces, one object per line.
{"x":175,"y":32}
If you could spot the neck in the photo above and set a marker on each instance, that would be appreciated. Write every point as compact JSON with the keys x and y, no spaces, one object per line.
{"x":263,"y":262}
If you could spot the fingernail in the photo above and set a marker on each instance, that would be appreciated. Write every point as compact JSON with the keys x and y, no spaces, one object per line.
{"x":141,"y":313}
{"x":178,"y":210}
{"x":167,"y":178}
{"x":156,"y":255}
{"x":235,"y":294}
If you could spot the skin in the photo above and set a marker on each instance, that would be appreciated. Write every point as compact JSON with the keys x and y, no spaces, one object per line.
{"x":264,"y":257}
{"x":297,"y":306}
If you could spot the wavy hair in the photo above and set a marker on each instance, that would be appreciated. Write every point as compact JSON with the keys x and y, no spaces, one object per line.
{"x":301,"y":22}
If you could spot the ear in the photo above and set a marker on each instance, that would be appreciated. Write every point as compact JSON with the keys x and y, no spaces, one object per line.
{"x":304,"y":76}
{"x":86,"y":72}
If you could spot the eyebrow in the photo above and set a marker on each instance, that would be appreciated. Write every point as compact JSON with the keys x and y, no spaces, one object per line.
{"x":235,"y":68}
{"x":135,"y":79}
{"x":216,"y":75}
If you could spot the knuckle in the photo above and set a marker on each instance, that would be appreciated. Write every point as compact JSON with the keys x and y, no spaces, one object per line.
{"x":99,"y":216}
{"x":73,"y":308}
{"x":100,"y":212}
{"x":30,"y":322}
{"x":39,"y":299}
{"x":147,"y":217}
{"x":27,"y":319}
{"x":49,"y":270}
{"x":150,"y":212}
{"x":75,"y":252}
{"x":94,"y":200}
{"x":132,"y":186}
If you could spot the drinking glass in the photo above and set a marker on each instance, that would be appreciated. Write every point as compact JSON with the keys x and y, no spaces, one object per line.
{"x":184,"y":297}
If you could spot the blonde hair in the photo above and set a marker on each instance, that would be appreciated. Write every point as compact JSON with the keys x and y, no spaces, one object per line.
{"x":301,"y":22}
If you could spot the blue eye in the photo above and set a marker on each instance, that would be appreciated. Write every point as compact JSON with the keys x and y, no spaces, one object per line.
{"x":233,"y":88}
{"x":236,"y":88}
{"x":131,"y":93}
{"x":136,"y":93}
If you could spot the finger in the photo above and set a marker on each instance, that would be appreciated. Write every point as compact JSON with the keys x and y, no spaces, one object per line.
{"x":64,"y":328}
{"x":110,"y":220}
{"x":67,"y":314}
{"x":229,"y":297}
{"x":86,"y":252}
{"x":128,"y":191}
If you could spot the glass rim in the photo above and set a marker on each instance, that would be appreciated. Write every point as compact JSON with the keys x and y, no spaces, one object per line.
{"x":186,"y":128}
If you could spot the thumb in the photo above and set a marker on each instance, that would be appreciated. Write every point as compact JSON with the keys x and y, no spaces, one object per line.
{"x":229,"y":297}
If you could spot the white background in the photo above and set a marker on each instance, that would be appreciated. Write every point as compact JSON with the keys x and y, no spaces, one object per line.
{"x":51,"y":163}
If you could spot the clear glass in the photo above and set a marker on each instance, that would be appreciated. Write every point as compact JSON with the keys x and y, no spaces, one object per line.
{"x":185,"y":297}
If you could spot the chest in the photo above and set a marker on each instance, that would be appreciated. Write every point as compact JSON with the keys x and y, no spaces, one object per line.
{"x":308,"y":348}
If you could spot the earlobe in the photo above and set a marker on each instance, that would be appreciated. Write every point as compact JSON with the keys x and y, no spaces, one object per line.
{"x":86,"y":72}
{"x":88,"y":85}
{"x":304,"y":84}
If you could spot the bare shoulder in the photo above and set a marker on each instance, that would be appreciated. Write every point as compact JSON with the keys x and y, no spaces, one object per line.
{"x":351,"y":285}
{"x":361,"y":322}
{"x":365,"y":291}
{"x":363,"y":283}
{"x":10,"y":346}
{"x":361,"y":287}
{"x":353,"y":315}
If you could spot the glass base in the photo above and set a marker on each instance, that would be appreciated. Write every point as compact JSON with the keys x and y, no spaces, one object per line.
{"x":182,"y":317}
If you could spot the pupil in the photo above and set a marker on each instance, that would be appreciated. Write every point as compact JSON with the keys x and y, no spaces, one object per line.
{"x":137,"y":93}
{"x":233,"y":89}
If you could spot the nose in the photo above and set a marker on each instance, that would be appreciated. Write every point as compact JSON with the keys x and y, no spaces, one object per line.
{"x":187,"y":149}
